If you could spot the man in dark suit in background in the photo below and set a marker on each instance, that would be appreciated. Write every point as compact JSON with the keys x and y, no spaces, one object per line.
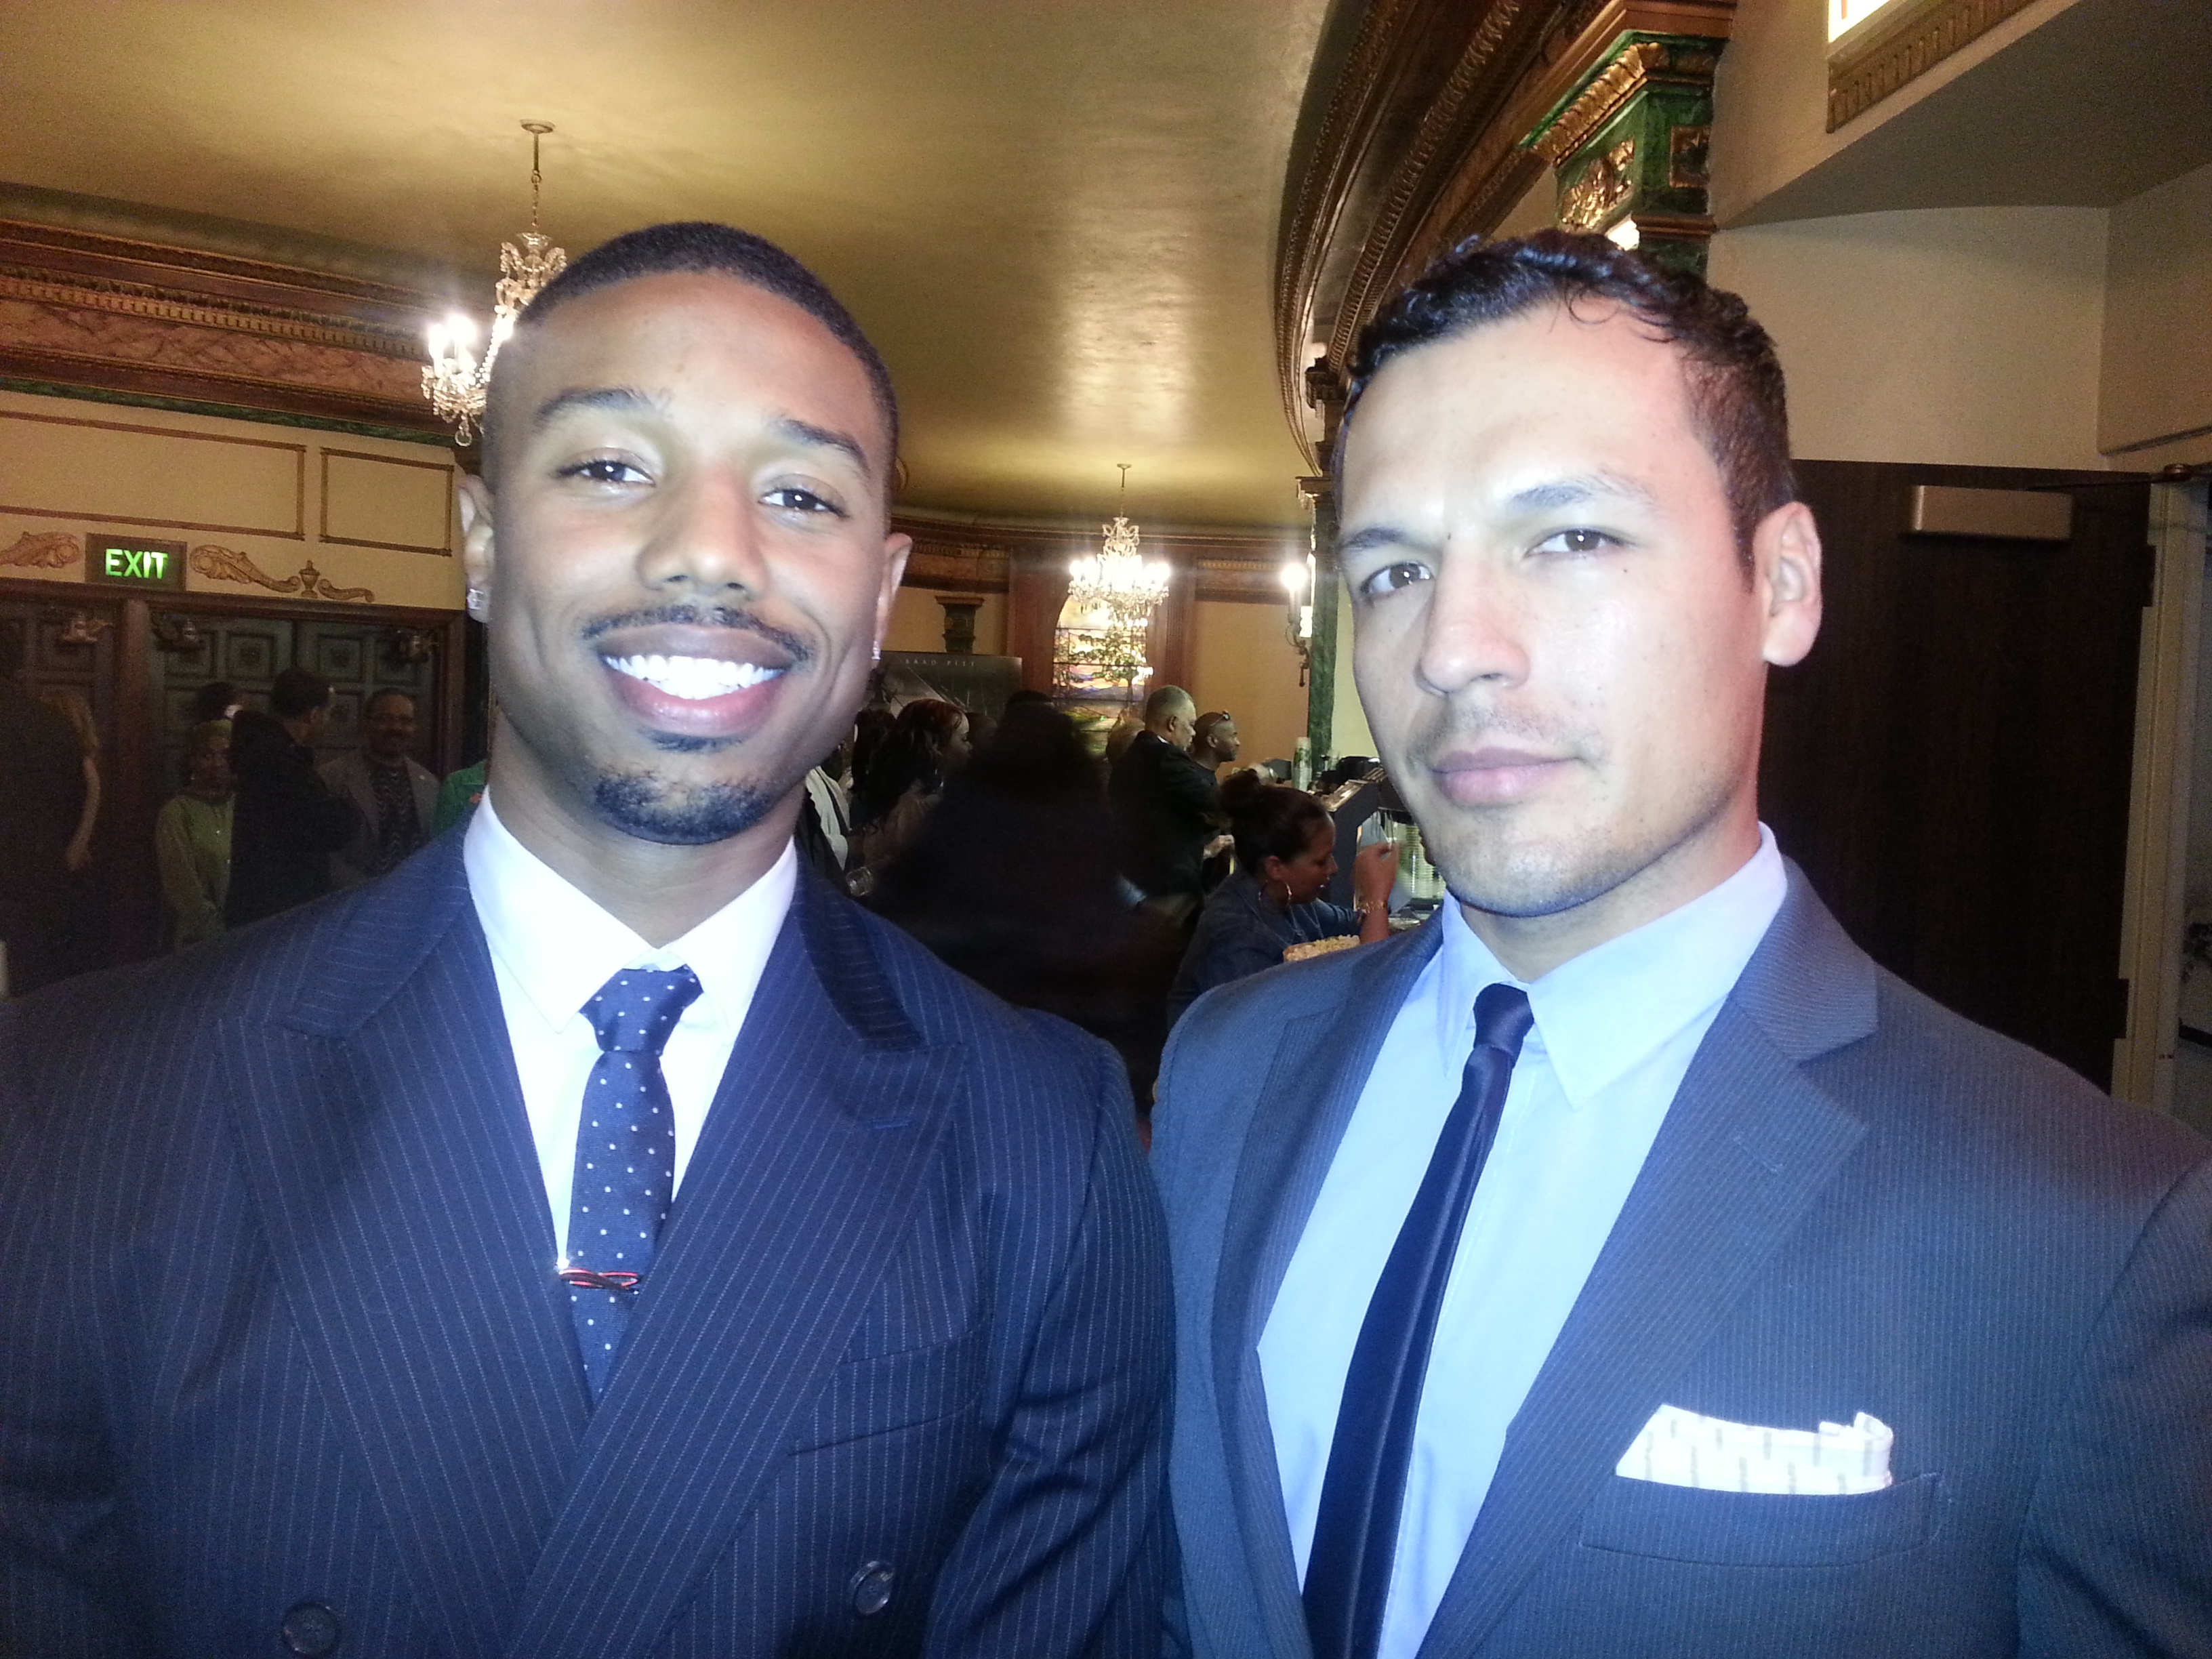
{"x":1165,"y":805}
{"x":393,"y":795}
{"x":41,"y":796}
{"x":1622,"y":1264}
{"x":599,"y":1237}
{"x":286,"y":823}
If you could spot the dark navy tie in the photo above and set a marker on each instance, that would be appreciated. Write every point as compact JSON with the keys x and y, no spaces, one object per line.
{"x":1355,"y":1532}
{"x":625,"y":1159}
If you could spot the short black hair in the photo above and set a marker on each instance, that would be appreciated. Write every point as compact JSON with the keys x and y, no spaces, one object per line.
{"x":384,"y":693}
{"x":1737,"y":396}
{"x":297,"y":691}
{"x":702,"y":246}
{"x":212,"y":701}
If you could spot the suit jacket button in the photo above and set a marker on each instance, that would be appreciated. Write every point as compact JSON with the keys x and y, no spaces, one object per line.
{"x":311,"y":1629}
{"x":871,"y":1588}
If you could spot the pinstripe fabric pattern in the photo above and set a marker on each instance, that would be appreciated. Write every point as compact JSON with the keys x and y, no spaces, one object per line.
{"x":298,"y":1337}
{"x":1859,"y":1202}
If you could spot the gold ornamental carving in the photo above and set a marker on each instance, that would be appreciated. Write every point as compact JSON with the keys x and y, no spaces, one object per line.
{"x":1607,"y":95}
{"x":51,"y":549}
{"x":1608,"y":183}
{"x":227,"y":564}
{"x":113,"y":336}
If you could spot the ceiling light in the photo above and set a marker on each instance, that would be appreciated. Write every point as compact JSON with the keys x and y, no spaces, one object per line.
{"x":455,"y":382}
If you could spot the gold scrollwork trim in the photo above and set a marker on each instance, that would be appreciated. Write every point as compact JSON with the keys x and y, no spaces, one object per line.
{"x":1645,"y":62}
{"x":1618,"y":82}
{"x":51,"y":549}
{"x":1606,"y":183}
{"x":1859,"y":78}
{"x":227,"y":564}
{"x":130,"y":300}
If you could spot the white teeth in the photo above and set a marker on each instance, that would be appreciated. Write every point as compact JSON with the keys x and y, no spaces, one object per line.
{"x":693,"y":678}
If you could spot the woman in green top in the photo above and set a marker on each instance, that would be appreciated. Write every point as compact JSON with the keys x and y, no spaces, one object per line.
{"x":192,"y":840}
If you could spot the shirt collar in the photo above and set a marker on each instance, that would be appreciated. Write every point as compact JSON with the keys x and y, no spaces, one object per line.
{"x":1602,"y":1013}
{"x":559,"y":947}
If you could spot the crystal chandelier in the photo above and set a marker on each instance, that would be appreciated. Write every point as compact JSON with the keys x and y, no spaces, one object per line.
{"x":1117,"y":580}
{"x":455,"y":382}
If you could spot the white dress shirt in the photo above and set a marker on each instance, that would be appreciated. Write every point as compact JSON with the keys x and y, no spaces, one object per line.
{"x":1615,"y":1030}
{"x":551,"y":951}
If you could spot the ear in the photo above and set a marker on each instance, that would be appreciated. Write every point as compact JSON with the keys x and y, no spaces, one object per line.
{"x":478,"y":557}
{"x":1785,"y":551}
{"x":896,"y":549}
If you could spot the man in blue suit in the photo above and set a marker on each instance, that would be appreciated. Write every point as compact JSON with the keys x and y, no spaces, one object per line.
{"x":1622,"y":1264}
{"x":597,"y":1237}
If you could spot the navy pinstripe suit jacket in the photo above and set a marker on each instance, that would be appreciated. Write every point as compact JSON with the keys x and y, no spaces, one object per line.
{"x":1858,"y":1202}
{"x":280,"y":1325}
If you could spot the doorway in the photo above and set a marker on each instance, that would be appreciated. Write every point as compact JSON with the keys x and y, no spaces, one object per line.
{"x":1952,"y":764}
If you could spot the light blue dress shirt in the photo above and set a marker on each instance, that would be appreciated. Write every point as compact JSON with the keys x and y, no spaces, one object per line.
{"x":1615,"y":1030}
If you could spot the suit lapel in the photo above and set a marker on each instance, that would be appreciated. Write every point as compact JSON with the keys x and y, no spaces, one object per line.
{"x":798,"y":1194}
{"x":1303,"y":1110}
{"x":1747,"y":1145}
{"x":384,"y":1141}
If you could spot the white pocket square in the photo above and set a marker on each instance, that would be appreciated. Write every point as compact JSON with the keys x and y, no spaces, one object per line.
{"x":1681,"y":1448}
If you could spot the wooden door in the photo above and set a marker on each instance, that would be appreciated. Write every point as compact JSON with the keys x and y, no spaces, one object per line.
{"x":1951,"y":765}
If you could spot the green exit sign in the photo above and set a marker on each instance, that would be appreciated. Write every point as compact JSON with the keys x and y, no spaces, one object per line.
{"x":135,"y":563}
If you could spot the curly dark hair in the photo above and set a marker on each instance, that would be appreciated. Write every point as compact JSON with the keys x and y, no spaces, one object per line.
{"x":1268,"y":820}
{"x":1736,"y":393}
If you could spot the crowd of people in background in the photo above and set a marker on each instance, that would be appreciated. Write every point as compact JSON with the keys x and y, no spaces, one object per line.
{"x":1111,"y":889}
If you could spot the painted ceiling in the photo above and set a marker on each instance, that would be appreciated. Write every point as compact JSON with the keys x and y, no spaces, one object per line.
{"x":1057,"y":218}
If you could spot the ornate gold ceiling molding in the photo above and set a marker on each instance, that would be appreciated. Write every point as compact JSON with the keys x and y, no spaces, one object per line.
{"x":1922,"y":36}
{"x":80,"y":309}
{"x":1238,"y":567}
{"x":1425,"y":140}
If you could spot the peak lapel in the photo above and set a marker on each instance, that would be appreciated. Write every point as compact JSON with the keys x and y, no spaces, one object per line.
{"x":1748,"y":1143}
{"x":382,"y":1135}
{"x":1304,"y":1109}
{"x":799,"y":1193}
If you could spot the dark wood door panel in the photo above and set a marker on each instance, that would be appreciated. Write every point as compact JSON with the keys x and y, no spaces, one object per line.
{"x":1951,"y":765}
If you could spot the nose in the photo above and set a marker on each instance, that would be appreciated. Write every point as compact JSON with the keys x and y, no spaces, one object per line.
{"x":706,"y":538}
{"x":1473,"y":631}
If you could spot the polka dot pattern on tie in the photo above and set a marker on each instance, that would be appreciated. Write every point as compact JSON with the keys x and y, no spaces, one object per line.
{"x":625,"y":1174}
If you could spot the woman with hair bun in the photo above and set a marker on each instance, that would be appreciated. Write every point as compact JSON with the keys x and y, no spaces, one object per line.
{"x":1285,"y":854}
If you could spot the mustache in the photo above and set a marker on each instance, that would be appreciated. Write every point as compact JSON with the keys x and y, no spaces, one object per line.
{"x":702,"y":616}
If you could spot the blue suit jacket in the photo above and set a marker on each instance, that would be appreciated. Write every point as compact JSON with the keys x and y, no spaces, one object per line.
{"x":1858,"y":1202}
{"x":290,"y":1332}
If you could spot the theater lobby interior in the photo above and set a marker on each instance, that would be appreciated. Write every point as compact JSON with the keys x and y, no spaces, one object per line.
{"x":1118,"y":255}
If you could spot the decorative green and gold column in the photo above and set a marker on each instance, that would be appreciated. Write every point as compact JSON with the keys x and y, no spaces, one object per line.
{"x":1629,"y":147}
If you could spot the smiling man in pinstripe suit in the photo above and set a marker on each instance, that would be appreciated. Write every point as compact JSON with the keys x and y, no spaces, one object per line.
{"x":597,"y":1237}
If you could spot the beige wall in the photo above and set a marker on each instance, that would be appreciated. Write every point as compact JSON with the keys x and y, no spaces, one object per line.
{"x":2157,"y":379}
{"x":1965,"y":335}
{"x":918,"y":622}
{"x":368,"y":513}
{"x":1348,"y":731}
{"x":1243,"y":661}
{"x":1537,"y":210}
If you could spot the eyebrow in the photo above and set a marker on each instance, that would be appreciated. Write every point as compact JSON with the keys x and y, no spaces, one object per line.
{"x":822,"y":437}
{"x":629,"y":400}
{"x":625,"y":398}
{"x":1577,"y":489}
{"x":1374,"y":537}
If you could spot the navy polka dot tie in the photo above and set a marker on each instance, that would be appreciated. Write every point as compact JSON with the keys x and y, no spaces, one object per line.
{"x":625,"y":1156}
